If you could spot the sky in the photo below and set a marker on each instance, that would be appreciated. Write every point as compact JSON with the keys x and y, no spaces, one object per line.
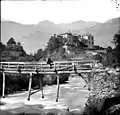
{"x":32,"y":12}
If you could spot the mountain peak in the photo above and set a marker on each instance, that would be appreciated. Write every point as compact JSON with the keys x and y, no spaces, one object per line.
{"x":46,"y":22}
{"x":114,"y":20}
{"x":79,"y":21}
{"x":8,"y":21}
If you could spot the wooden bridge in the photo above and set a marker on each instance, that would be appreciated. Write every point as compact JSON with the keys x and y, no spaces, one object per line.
{"x":71,"y":67}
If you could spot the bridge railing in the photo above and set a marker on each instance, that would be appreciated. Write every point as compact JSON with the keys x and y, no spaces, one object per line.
{"x":26,"y":67}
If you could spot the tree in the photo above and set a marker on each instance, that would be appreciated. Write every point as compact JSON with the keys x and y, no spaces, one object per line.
{"x":110,"y":57}
{"x":18,"y":44}
{"x":2,"y":47}
{"x":11,"y":42}
{"x":13,"y":51}
{"x":97,"y":47}
{"x":54,"y":44}
{"x":40,"y":53}
{"x":116,"y":41}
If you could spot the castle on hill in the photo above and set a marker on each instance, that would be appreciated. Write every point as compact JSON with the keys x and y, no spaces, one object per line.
{"x":87,"y":39}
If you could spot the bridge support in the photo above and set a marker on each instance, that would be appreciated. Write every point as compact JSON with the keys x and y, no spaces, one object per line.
{"x":58,"y":87}
{"x":3,"y":86}
{"x":40,"y":85}
{"x":30,"y":84}
{"x":80,"y":75}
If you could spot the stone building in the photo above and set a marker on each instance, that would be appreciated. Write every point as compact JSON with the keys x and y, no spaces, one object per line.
{"x":88,"y":39}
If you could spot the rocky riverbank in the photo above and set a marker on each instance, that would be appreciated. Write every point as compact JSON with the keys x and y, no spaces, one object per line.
{"x":104,"y":98}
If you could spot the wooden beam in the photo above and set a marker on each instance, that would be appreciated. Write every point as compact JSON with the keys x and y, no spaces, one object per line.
{"x":41,"y":85}
{"x":52,"y":72}
{"x":3,"y":86}
{"x":30,"y":84}
{"x":34,"y":91}
{"x":58,"y":86}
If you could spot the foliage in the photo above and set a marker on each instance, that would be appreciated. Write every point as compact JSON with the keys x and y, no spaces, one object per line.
{"x":110,"y":60}
{"x":11,"y":42}
{"x":41,"y":54}
{"x":96,"y":47}
{"x":14,"y":52}
{"x":2,"y":47}
{"x":116,"y":41}
{"x":54,"y":44}
{"x":55,"y":47}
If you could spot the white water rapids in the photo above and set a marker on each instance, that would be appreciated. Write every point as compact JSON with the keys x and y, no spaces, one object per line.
{"x":72,"y":94}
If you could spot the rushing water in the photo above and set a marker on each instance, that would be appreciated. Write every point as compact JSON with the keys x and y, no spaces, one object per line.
{"x":73,"y":94}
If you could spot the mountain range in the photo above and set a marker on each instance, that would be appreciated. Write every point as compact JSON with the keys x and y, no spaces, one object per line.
{"x":34,"y":37}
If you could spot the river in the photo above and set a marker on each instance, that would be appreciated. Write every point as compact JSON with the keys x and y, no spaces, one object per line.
{"x":73,"y":95}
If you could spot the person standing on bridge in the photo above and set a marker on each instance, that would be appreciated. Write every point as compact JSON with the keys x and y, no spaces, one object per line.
{"x":50,"y":62}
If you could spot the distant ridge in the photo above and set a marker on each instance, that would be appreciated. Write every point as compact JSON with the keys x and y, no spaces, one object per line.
{"x":104,"y":32}
{"x":36,"y":36}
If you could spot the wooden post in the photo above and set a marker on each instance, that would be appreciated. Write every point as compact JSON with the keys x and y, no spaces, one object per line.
{"x":58,"y":86}
{"x":30,"y":84}
{"x":93,"y":69}
{"x":92,"y":75}
{"x":3,"y":88}
{"x":54,"y":66}
{"x":40,"y":85}
{"x":73,"y":66}
{"x":41,"y":66}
